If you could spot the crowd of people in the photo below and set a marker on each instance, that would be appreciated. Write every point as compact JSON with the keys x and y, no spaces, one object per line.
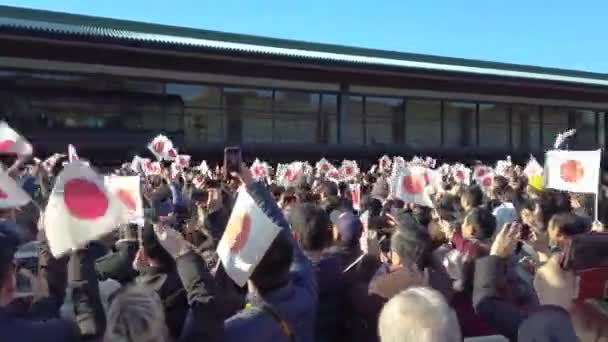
{"x":479,"y":263}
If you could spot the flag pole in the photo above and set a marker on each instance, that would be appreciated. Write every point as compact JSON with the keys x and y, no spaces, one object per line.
{"x":596,"y":206}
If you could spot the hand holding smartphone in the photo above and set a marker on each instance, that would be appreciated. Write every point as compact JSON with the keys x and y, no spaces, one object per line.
{"x":233,"y":160}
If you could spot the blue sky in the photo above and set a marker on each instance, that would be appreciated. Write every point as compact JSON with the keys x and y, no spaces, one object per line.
{"x":558,"y":33}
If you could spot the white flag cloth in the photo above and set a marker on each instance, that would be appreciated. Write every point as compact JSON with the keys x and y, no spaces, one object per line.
{"x":127,"y":190}
{"x":183,"y":161}
{"x":575,"y":171}
{"x":248,"y":235}
{"x":410,"y":184}
{"x":12,"y":142}
{"x":80,"y":209}
{"x":72,"y":154}
{"x":162,"y":148}
{"x":11,"y":194}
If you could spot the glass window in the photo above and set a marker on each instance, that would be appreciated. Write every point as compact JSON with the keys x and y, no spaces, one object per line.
{"x":526,"y":123}
{"x":586,"y":132}
{"x":296,"y":101}
{"x":258,"y":99}
{"x":515,"y":130}
{"x":379,"y":123}
{"x":295,"y":128}
{"x":353,"y":130}
{"x":423,"y":123}
{"x":329,"y":108}
{"x":204,"y":125}
{"x":555,"y":121}
{"x":256,"y":127}
{"x":459,"y":124}
{"x":196,"y":95}
{"x":493,"y":125}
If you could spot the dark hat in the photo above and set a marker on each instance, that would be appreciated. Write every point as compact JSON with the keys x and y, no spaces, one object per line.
{"x":349,"y":226}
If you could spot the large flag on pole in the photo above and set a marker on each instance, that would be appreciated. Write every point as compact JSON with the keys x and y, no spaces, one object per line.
{"x":574,"y":171}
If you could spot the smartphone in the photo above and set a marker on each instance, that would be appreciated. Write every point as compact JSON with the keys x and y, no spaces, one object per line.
{"x":524,"y":232}
{"x":233,"y":160}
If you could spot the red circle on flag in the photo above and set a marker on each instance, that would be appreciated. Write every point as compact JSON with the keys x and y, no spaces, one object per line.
{"x":3,"y":195}
{"x":6,"y":145}
{"x":571,"y":171}
{"x":237,"y":232}
{"x":258,"y":171}
{"x":158,"y":147}
{"x":290,"y":175}
{"x":487,"y":182}
{"x":127,"y":199}
{"x":172,"y":153}
{"x":84,"y":199}
{"x":413,"y":184}
{"x":481,"y":172}
{"x":348,"y":171}
{"x":325,"y":167}
{"x":459,"y":175}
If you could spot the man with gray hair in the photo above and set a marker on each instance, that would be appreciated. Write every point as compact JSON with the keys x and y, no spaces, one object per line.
{"x":418,"y":314}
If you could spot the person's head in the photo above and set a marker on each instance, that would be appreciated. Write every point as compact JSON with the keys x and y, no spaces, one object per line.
{"x":311,"y":226}
{"x":273,"y":270}
{"x":418,"y":314}
{"x":549,"y":204}
{"x":136,"y":314}
{"x":472,"y":197}
{"x":410,"y":245}
{"x":328,"y":189}
{"x":347,"y":230}
{"x":564,"y":225}
{"x":479,"y":224}
{"x":499,"y":185}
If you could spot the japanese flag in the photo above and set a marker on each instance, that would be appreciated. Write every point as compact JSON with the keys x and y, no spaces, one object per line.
{"x":12,"y":142}
{"x":72,"y":154}
{"x":183,"y":161}
{"x":138,"y":164}
{"x":127,"y":190}
{"x":533,"y":168}
{"x":80,"y":209}
{"x":323,"y":166}
{"x":258,"y":169}
{"x":162,"y":148}
{"x":410,"y":184}
{"x":355,"y":192}
{"x":575,"y":171}
{"x":349,"y":170}
{"x":248,"y":235}
{"x":11,"y":194}
{"x":461,"y":174}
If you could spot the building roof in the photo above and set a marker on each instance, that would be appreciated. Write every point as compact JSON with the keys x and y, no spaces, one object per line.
{"x":80,"y":26}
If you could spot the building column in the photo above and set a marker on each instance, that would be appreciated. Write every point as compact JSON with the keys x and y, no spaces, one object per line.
{"x":343,"y":111}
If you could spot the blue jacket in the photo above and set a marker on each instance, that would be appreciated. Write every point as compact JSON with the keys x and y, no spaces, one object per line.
{"x":296,"y":302}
